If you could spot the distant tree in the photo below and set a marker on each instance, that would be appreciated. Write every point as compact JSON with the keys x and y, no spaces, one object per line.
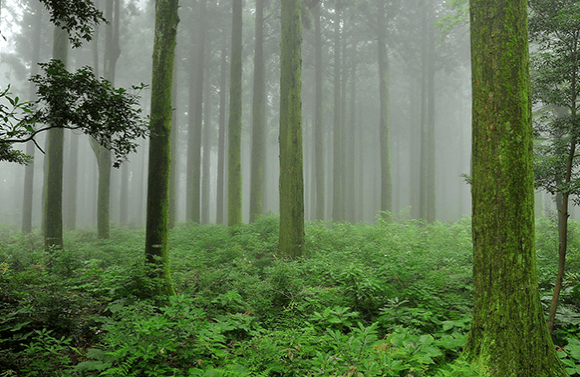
{"x":103,"y":155}
{"x":556,"y":88}
{"x":235,"y":120}
{"x":318,"y":106}
{"x":337,"y":155}
{"x":193,"y":197}
{"x":508,"y":336}
{"x":30,"y":147}
{"x":291,"y":241}
{"x":257,"y":116}
{"x":221,"y":150}
{"x":166,"y":20}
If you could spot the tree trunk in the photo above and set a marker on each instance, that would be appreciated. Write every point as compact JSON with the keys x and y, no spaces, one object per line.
{"x":508,"y":336}
{"x":384,"y":126}
{"x":30,"y":147}
{"x":205,"y":181}
{"x":337,"y":142}
{"x":318,"y":125}
{"x":195,"y":129}
{"x":54,"y":167}
{"x":256,"y":205}
{"x":291,"y":241}
{"x":220,"y":197}
{"x":174,"y":173}
{"x":166,"y":20}
{"x":235,"y":120}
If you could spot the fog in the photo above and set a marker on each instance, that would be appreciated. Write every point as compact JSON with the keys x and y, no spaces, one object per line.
{"x":428,"y":99}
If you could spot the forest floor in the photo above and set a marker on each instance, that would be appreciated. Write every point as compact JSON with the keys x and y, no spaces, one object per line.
{"x":385,"y":299}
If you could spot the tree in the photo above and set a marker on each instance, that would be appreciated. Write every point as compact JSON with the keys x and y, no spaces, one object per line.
{"x":103,"y":155}
{"x":30,"y":147}
{"x":318,"y":125}
{"x":384,"y":126}
{"x":166,"y":20}
{"x":235,"y":120}
{"x":257,"y":116}
{"x":337,"y":168}
{"x":54,"y":167}
{"x":555,"y":84}
{"x":508,"y":335}
{"x":291,"y":240}
{"x":195,"y":119}
{"x":222,"y":136}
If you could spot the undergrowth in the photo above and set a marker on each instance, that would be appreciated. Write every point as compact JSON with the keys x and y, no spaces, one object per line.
{"x":385,"y":299}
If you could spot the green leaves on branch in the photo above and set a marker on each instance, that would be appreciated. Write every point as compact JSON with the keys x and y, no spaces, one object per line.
{"x":78,"y":18}
{"x":77,"y":101}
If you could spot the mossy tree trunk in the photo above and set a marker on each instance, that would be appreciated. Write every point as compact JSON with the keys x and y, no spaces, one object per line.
{"x":256,"y":207}
{"x":235,"y":120}
{"x":291,"y":240}
{"x":54,"y":167}
{"x":166,"y":20}
{"x":508,"y":334}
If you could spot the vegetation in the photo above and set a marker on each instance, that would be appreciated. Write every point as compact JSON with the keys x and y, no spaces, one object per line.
{"x":388,"y":299}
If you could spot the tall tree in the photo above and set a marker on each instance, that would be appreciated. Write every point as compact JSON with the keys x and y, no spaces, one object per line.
{"x":384,"y":127}
{"x":103,"y":155}
{"x":235,"y":120}
{"x":222,"y":136}
{"x":508,"y":336}
{"x":337,"y":156}
{"x":30,"y":147}
{"x":257,"y":116}
{"x":195,"y":119}
{"x":174,"y":174}
{"x":555,"y":85}
{"x":54,"y":168}
{"x":166,"y":20}
{"x":291,"y":240}
{"x":318,"y":106}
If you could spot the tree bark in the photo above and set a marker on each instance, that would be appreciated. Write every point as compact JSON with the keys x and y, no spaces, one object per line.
{"x":235,"y":120}
{"x":291,"y":240}
{"x":157,"y":229}
{"x":508,"y":335}
{"x":54,"y":168}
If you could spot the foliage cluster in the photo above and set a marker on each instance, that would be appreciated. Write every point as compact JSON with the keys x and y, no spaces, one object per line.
{"x":385,"y":299}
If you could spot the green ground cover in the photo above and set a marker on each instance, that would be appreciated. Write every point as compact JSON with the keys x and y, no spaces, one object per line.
{"x":385,"y":299}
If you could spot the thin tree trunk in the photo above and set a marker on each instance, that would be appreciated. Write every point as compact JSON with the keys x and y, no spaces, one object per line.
{"x":337,"y":152}
{"x":205,"y":181}
{"x":221,"y":138}
{"x":174,"y":174}
{"x":235,"y":120}
{"x":318,"y":124}
{"x":256,"y":205}
{"x":30,"y":147}
{"x":384,"y":126}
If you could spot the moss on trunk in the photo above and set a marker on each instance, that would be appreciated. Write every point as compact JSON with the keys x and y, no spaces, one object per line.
{"x":166,"y":20}
{"x":291,"y":241}
{"x":508,"y":334}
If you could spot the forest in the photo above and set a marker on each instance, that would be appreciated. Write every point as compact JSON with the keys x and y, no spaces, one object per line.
{"x":289,"y":188}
